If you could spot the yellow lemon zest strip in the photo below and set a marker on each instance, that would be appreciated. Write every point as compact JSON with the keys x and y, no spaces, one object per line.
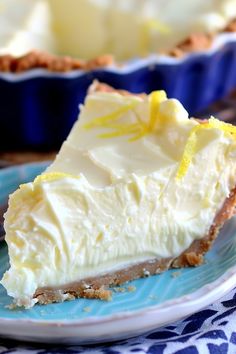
{"x":139,"y":129}
{"x":189,"y":152}
{"x":158,"y":26}
{"x":124,"y":129}
{"x":53,"y":176}
{"x":121,"y":126}
{"x":140,"y":135}
{"x":190,"y":147}
{"x":102,"y":121}
{"x":156,"y":97}
{"x":149,"y":26}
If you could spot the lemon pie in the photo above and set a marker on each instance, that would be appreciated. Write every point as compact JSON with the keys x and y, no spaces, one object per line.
{"x":138,"y":187}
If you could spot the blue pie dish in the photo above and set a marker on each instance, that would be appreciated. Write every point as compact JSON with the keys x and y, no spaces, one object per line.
{"x":38,"y":107}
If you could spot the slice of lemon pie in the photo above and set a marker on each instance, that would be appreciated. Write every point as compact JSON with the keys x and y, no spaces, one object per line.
{"x":137,"y":188}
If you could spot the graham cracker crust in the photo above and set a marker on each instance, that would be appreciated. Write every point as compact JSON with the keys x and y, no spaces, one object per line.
{"x":198,"y":42}
{"x":37,"y":59}
{"x":19,"y":157}
{"x":95,"y":287}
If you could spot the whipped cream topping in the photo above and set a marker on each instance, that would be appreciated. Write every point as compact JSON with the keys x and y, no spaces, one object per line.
{"x":112,"y":197}
{"x":25,"y":25}
{"x":125,"y":28}
{"x":129,"y":28}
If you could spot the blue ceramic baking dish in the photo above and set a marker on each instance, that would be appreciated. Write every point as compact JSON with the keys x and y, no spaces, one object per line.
{"x":38,"y":108}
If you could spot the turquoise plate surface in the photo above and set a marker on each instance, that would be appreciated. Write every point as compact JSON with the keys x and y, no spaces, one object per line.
{"x":157,"y":300}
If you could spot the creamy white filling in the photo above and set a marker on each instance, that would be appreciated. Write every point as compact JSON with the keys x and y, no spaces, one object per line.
{"x":129,"y":28}
{"x":25,"y":25}
{"x":125,"y":28}
{"x":122,"y":203}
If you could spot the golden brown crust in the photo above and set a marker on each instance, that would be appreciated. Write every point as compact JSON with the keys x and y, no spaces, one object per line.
{"x":98,"y":86}
{"x":94,"y":287}
{"x":48,"y":296}
{"x":198,"y":41}
{"x":54,"y":63}
{"x":8,"y":158}
{"x":36,"y":59}
{"x":194,"y":43}
{"x":231,"y":27}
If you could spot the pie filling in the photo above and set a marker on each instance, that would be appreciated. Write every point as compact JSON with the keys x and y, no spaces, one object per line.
{"x":96,"y":287}
{"x":136,"y":181}
{"x":89,"y":28}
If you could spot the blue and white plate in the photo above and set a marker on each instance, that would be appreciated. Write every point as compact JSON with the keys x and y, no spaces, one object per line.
{"x":155,"y":301}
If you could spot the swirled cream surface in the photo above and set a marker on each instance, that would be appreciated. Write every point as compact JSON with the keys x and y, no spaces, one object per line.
{"x":125,"y":28}
{"x":136,"y":180}
{"x":25,"y":25}
{"x":129,"y":28}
